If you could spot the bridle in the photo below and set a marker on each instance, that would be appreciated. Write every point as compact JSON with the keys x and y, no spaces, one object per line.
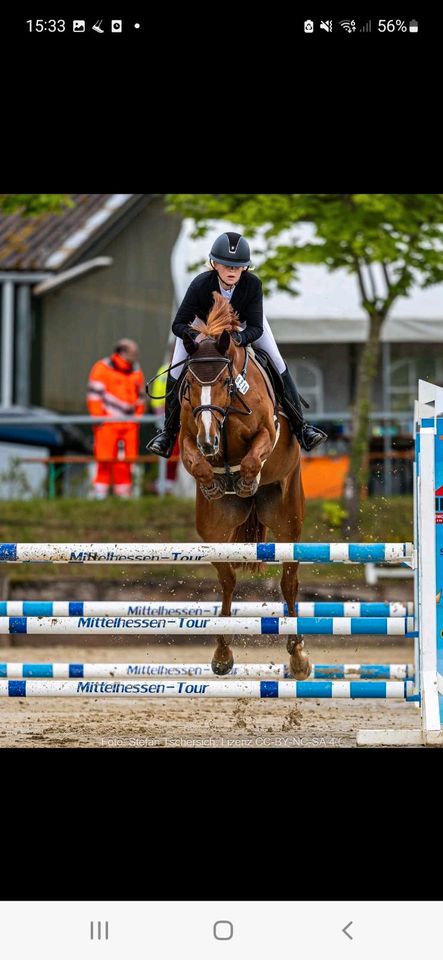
{"x":232,"y":383}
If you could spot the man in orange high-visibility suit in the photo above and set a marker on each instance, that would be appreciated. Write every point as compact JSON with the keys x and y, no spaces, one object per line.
{"x":116,"y":387}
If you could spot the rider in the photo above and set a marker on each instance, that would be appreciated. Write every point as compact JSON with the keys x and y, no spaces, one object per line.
{"x":229,"y":275}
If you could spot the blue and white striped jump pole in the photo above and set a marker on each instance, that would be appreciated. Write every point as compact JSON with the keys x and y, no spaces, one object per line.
{"x":264,"y":689}
{"x":203,"y":626}
{"x":203,"y":608}
{"x":429,"y":465}
{"x":99,"y":671}
{"x":428,"y":566}
{"x":207,"y":552}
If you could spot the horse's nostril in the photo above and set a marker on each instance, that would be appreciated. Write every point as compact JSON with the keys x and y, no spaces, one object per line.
{"x":206,"y":447}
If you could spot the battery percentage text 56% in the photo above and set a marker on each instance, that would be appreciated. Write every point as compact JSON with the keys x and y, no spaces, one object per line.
{"x":391,"y":26}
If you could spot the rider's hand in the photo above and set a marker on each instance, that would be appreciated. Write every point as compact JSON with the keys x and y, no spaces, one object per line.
{"x":237,"y":337}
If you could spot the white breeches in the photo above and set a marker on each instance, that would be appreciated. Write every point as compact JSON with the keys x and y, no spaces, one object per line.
{"x":265,"y":342}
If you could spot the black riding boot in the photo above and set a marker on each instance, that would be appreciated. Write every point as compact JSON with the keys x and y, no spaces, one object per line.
{"x":307,"y":435}
{"x":163,"y":442}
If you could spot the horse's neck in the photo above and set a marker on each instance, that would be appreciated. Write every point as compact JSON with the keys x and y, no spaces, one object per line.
{"x":237,"y":355}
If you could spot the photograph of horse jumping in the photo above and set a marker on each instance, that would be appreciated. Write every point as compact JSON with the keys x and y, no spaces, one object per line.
{"x":244,"y":458}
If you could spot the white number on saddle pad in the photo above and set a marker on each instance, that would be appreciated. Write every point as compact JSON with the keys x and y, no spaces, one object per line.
{"x":241,"y":384}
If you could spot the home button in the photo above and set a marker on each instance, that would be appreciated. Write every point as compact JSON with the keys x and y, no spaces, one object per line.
{"x":223,"y":930}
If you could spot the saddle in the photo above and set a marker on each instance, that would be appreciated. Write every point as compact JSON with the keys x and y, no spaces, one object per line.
{"x":264,"y":361}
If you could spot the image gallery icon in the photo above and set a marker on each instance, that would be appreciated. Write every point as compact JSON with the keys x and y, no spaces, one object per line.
{"x":309,"y":26}
{"x":78,"y":26}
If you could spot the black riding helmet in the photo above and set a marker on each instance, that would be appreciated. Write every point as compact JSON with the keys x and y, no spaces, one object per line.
{"x":231,"y":248}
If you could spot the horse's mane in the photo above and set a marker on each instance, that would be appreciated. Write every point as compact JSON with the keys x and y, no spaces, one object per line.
{"x":220,"y":317}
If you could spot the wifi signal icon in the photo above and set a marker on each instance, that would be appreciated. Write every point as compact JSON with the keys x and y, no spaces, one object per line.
{"x":348,"y":25}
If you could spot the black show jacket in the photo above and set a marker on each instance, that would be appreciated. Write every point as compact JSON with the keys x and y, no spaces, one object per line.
{"x":247,"y":300}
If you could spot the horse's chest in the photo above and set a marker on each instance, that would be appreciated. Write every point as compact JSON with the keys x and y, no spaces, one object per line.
{"x":239,"y":440}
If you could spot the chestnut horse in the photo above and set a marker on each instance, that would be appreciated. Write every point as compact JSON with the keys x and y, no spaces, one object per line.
{"x":246,"y":464}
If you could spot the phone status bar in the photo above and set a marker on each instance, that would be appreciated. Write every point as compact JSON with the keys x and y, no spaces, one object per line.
{"x":360,"y":26}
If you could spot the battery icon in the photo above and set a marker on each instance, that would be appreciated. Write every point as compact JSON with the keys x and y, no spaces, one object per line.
{"x":413,"y":26}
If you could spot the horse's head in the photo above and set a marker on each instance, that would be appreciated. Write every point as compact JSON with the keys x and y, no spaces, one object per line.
{"x":206,"y":387}
{"x":209,"y":377}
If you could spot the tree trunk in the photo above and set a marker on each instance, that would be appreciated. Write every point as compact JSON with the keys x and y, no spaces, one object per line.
{"x":359,"y":466}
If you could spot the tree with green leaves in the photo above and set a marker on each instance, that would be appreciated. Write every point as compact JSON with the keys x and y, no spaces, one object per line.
{"x":388,"y":242}
{"x":34,"y":204}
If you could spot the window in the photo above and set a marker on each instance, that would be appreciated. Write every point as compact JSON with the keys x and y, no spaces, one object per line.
{"x":404,"y":375}
{"x":309,"y":381}
{"x":403,"y":385}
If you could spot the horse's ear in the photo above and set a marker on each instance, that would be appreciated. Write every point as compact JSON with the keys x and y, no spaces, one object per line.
{"x":189,"y":344}
{"x":223,"y":342}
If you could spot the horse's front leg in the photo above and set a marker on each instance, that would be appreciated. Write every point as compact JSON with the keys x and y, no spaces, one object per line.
{"x":250,"y":467}
{"x":212,"y":485}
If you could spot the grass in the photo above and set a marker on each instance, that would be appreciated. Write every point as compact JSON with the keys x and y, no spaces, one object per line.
{"x":171,"y":520}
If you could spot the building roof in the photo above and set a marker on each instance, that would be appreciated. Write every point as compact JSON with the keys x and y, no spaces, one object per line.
{"x":51,"y":241}
{"x":328,"y":308}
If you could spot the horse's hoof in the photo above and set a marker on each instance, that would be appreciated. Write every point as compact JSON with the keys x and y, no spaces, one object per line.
{"x":246,"y":488}
{"x":214,"y":490}
{"x":300,"y":667}
{"x":222,"y":667}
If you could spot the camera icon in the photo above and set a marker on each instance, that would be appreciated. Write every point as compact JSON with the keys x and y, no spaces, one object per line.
{"x":309,"y":26}
{"x":116,"y":26}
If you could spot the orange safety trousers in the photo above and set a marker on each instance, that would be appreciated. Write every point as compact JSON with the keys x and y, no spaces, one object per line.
{"x":106,"y":444}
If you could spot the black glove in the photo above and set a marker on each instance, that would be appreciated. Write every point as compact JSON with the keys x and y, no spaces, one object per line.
{"x":237,"y":337}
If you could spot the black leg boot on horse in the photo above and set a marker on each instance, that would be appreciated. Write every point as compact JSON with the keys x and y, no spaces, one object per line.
{"x":163,"y":443}
{"x":307,"y":435}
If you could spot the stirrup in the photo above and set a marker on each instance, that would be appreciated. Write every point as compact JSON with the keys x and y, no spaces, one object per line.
{"x":162,"y":444}
{"x":318,"y":437}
